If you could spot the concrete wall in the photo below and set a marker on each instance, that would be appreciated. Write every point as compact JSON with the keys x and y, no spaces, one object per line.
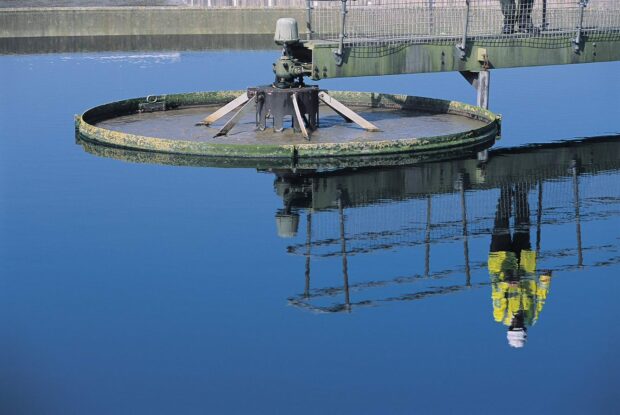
{"x":132,"y":21}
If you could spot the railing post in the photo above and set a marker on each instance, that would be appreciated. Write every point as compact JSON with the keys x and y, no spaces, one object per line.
{"x":463,"y":45}
{"x":338,"y":54}
{"x":431,"y":17}
{"x":578,"y":39}
{"x":308,"y":19}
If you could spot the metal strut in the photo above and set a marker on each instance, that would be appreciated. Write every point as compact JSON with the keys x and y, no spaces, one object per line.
{"x":300,"y":119}
{"x":346,"y":112}
{"x":302,"y":104}
{"x":235,"y":118}
{"x":231,"y":106}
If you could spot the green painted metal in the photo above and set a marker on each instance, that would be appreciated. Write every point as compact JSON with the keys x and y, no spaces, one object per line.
{"x":444,"y":56}
{"x":87,"y":129}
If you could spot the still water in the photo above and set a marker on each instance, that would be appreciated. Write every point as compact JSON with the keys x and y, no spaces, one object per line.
{"x":131,"y":284}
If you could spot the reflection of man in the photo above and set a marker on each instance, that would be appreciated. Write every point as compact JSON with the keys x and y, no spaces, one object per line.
{"x":522,"y":15}
{"x":518,"y":296}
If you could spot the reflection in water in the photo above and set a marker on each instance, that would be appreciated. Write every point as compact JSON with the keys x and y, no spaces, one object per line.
{"x":505,"y":225}
{"x":357,"y":213}
{"x":518,"y":296}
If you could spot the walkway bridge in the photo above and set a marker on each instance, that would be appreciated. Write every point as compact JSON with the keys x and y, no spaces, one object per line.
{"x":350,"y":38}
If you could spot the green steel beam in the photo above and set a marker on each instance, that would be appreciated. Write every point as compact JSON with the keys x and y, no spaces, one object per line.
{"x":504,"y":52}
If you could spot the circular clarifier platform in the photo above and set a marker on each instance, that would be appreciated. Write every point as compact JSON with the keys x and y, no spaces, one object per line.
{"x":167,"y":124}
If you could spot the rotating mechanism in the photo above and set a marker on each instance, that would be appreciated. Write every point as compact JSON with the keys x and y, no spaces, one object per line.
{"x":287,"y":96}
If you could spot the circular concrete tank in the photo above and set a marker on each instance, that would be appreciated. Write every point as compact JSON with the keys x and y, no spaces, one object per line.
{"x":409,"y":125}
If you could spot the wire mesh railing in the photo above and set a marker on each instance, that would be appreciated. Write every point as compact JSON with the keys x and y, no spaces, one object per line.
{"x":245,"y":3}
{"x":396,"y":22}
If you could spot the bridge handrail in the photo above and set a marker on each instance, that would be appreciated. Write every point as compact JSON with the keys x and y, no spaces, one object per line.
{"x":398,"y":22}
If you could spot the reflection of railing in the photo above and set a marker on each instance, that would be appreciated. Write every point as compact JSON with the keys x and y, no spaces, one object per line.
{"x":354,"y":220}
{"x":418,"y":287}
{"x":396,"y":208}
{"x":410,"y":223}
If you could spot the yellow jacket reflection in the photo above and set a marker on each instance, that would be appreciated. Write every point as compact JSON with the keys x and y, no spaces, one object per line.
{"x":518,"y":294}
{"x":526,"y":293}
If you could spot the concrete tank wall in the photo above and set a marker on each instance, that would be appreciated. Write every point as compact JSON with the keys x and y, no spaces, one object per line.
{"x":133,"y":21}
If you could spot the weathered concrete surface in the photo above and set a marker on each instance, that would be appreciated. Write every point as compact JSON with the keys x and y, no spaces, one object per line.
{"x":140,"y":21}
{"x":143,"y":43}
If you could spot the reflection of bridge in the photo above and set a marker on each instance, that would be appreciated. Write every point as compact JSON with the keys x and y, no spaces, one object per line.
{"x":353,"y":213}
{"x":427,"y":215}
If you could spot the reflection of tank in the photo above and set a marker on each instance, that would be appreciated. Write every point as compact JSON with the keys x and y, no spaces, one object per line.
{"x":317,"y":189}
{"x":287,"y":223}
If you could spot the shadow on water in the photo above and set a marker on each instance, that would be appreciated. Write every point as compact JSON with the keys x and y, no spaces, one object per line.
{"x":350,"y":209}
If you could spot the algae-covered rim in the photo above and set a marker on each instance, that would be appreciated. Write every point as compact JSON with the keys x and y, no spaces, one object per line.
{"x":87,"y":129}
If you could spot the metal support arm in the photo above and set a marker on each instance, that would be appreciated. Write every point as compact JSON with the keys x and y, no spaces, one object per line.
{"x":235,"y":119}
{"x":346,"y":112}
{"x":231,"y":106}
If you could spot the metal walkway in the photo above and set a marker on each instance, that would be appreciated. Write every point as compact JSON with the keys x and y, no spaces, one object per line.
{"x":380,"y":37}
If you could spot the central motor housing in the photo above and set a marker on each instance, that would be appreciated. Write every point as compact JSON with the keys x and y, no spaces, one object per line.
{"x":277,"y":103}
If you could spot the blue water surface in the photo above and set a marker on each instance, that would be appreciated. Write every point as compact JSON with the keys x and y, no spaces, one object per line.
{"x":130,"y":288}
